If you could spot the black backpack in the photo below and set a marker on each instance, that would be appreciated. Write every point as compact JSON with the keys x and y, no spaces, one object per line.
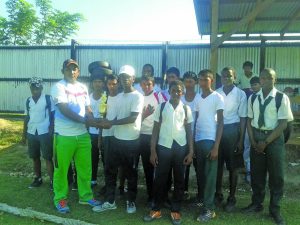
{"x":48,"y":106}
{"x":278,"y":99}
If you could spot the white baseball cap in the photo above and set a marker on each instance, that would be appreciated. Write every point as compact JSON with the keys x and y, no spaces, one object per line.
{"x":127,"y":69}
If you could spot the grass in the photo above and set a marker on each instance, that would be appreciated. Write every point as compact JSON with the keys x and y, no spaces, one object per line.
{"x":10,"y":132}
{"x":16,"y":174}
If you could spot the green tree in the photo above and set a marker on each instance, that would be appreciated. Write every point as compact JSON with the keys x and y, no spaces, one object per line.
{"x":36,"y":25}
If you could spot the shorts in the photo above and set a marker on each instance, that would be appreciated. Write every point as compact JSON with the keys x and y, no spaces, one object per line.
{"x":40,"y":143}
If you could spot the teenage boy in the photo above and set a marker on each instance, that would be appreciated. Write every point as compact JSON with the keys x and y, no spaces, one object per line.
{"x":172,"y":74}
{"x":190,"y":98}
{"x":148,"y":70}
{"x":255,"y":87}
{"x":126,"y":142}
{"x":151,"y":100}
{"x":97,"y":83}
{"x":232,"y":141}
{"x":38,"y":129}
{"x":171,"y":133}
{"x":268,"y":113}
{"x":243,"y":81}
{"x":208,"y":133}
{"x":72,"y":141}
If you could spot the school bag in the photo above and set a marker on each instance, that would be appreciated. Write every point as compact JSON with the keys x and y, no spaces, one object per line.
{"x":47,"y":108}
{"x":278,"y":99}
{"x":157,"y":98}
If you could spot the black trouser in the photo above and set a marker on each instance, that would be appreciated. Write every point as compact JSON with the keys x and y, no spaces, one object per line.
{"x":227,"y":148}
{"x":95,"y":155}
{"x":272,"y":162}
{"x":145,"y":152}
{"x":122,"y":153}
{"x":169,"y":159}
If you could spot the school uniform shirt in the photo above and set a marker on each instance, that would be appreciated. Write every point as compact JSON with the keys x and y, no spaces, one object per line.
{"x":128,"y":103}
{"x":206,"y":124}
{"x":243,"y":82}
{"x":172,"y":127}
{"x":271,"y":116}
{"x":192,"y":105}
{"x":154,"y":99}
{"x":95,"y":109}
{"x":38,"y":115}
{"x":111,"y":114}
{"x":77,"y":98}
{"x":235,"y":105}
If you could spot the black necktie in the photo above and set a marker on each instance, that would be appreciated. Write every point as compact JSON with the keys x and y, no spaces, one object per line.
{"x":262,"y":108}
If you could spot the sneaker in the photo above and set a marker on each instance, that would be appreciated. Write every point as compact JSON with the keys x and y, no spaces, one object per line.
{"x":105,"y":206}
{"x":74,"y":186}
{"x":37,"y":182}
{"x":91,"y":202}
{"x":176,"y":218}
{"x":206,"y":216}
{"x":253,"y":208}
{"x":230,"y":205}
{"x":62,"y":206}
{"x":153,"y":215}
{"x":131,"y":208}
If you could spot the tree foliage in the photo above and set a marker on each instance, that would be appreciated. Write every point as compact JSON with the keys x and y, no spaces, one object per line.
{"x":38,"y":24}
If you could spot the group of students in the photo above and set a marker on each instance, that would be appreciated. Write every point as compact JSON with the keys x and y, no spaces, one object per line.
{"x":167,"y":129}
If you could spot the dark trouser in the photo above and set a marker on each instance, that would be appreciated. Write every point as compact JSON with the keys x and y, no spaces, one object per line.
{"x":145,"y":152}
{"x":95,"y":155}
{"x":271,"y":162}
{"x":207,"y":172}
{"x":169,"y":159}
{"x":123,"y":154}
{"x":227,"y":148}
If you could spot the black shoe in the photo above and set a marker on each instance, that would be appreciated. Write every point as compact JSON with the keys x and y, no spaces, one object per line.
{"x":230,"y":205}
{"x":253,"y":208}
{"x":277,"y":218}
{"x":37,"y":182}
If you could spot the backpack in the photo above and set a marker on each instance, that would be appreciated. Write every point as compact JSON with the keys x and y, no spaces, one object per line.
{"x":278,"y":99}
{"x":157,"y":98}
{"x":48,"y":106}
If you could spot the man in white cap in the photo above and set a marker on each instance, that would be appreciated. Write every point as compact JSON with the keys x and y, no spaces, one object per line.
{"x":126,"y":142}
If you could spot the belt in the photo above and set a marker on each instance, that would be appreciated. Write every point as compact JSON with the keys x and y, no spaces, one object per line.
{"x":262,"y":131}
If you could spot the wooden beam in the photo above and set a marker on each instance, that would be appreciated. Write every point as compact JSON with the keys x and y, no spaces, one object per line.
{"x":291,"y":21}
{"x":258,"y":9}
{"x":251,"y":23}
{"x":214,"y":18}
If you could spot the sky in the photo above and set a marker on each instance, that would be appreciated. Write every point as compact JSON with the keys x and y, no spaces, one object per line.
{"x":133,"y":20}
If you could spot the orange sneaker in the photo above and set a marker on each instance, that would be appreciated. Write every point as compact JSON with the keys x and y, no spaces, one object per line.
{"x":153,"y":215}
{"x":176,"y":218}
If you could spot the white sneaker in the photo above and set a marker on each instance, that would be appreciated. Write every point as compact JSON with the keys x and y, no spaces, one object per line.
{"x":105,"y":206}
{"x":131,"y":208}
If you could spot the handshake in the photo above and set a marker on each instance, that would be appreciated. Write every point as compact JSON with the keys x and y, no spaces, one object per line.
{"x":98,"y":123}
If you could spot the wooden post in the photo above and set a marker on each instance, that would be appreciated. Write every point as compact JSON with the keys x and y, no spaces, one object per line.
{"x":262,"y":60}
{"x":214,"y":20}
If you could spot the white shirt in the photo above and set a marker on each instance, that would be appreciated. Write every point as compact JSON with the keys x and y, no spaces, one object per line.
{"x":148,"y":122}
{"x":206,"y":124}
{"x":39,"y":115}
{"x":95,"y":109}
{"x":111,"y":114}
{"x":172,"y":126}
{"x":192,"y":105}
{"x":235,"y":105}
{"x":243,"y":82}
{"x":77,"y":97}
{"x":128,"y":103}
{"x":271,"y":116}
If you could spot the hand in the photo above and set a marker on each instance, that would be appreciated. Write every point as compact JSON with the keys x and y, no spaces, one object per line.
{"x":154,"y":158}
{"x":91,"y":122}
{"x":214,"y":153}
{"x":147,"y":111}
{"x":106,"y":124}
{"x":188,"y":159}
{"x":261,"y":146}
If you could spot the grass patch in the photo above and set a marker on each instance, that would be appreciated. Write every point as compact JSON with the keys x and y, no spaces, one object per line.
{"x":6,"y":218}
{"x":10,"y":132}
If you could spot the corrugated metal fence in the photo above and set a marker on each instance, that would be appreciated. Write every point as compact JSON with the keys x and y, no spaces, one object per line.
{"x":18,"y":64}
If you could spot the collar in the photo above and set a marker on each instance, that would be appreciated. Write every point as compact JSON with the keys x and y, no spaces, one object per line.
{"x":272,"y":93}
{"x":180,"y":104}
